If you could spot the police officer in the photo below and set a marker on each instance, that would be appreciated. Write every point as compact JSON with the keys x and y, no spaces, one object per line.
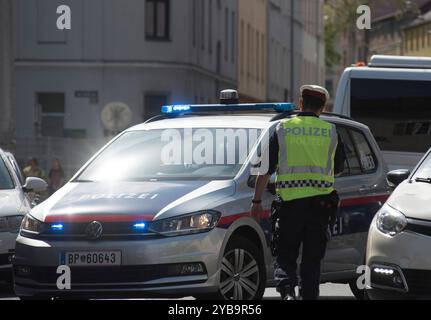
{"x":307,"y":153}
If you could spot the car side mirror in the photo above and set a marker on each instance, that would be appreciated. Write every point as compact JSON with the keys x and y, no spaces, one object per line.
{"x":33,"y":184}
{"x":396,"y":177}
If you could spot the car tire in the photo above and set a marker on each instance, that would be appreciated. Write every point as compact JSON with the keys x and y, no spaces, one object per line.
{"x":358,"y":293}
{"x":243,"y":272}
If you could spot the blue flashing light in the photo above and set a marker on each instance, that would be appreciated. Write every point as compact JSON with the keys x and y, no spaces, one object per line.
{"x":176,"y":109}
{"x":57,"y":227}
{"x":140,"y":226}
{"x":181,"y":109}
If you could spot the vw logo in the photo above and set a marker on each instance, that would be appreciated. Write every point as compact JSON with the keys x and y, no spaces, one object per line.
{"x":94,"y":230}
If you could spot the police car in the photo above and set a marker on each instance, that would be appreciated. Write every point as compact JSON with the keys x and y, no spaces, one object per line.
{"x":163,"y":210}
{"x":398,"y":245}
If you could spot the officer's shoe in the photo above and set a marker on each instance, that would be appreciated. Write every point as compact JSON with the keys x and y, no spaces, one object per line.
{"x":288,"y":294}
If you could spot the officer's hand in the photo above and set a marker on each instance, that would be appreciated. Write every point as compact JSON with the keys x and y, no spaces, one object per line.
{"x":256,"y":212}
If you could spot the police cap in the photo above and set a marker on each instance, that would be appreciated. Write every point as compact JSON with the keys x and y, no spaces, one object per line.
{"x":315,"y":91}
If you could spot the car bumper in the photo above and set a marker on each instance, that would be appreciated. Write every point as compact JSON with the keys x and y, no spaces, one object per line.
{"x":149,"y":267}
{"x":406,"y":257}
{"x":7,"y":247}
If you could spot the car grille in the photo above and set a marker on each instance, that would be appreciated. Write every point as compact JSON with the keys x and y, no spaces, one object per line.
{"x":111,"y":231}
{"x":107,"y":275}
{"x":419,"y":226}
{"x":418,"y":281}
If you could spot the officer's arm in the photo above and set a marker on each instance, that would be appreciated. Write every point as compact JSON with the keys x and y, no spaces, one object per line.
{"x":263,"y":179}
{"x":261,"y":183}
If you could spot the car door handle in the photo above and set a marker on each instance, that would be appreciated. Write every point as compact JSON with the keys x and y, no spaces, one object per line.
{"x":365,"y":189}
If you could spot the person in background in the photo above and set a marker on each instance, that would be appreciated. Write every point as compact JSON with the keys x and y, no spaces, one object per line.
{"x":56,"y":177}
{"x":32,"y":169}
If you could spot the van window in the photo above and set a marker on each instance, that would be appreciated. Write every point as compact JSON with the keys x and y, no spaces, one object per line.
{"x":398,"y":112}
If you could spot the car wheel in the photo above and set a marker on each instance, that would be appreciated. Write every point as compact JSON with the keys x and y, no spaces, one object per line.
{"x":242,"y":274}
{"x":358,"y":293}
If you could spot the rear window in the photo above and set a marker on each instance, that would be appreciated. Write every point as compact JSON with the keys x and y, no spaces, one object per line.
{"x":6,"y":182}
{"x":398,"y":112}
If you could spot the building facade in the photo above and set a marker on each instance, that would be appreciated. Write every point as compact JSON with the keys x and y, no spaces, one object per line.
{"x":252,"y":53}
{"x":120,"y":62}
{"x":417,"y":37}
{"x":7,"y":122}
{"x":296,"y":44}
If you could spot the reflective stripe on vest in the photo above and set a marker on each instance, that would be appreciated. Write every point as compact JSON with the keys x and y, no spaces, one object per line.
{"x":306,"y":158}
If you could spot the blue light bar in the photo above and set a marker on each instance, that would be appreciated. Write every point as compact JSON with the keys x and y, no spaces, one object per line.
{"x":57,"y":227}
{"x":199,"y":108}
{"x":139,"y":226}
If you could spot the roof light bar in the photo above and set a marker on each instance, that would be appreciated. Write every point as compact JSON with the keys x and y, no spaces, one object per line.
{"x":183,"y":109}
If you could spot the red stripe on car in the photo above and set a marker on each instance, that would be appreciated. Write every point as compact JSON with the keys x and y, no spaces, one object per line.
{"x":233,"y":218}
{"x":363,"y":200}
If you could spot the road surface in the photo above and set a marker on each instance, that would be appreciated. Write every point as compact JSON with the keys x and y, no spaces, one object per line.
{"x":328,"y":292}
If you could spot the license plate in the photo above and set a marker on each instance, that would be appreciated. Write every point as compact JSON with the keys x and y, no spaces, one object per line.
{"x":91,"y":258}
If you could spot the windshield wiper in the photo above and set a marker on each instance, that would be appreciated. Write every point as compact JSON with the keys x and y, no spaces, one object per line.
{"x":424,"y":180}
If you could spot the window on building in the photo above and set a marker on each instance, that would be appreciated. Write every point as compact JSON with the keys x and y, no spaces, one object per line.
{"x":210,"y":26}
{"x":51,"y":107}
{"x":242,"y":47}
{"x":46,"y":14}
{"x":263,"y":66}
{"x":233,"y":38}
{"x":153,"y":104}
{"x":194,"y":32}
{"x":257,"y":57}
{"x":226,"y":34}
{"x":202,"y":24}
{"x":157,"y":19}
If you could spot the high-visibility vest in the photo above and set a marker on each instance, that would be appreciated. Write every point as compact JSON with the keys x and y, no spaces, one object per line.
{"x":306,"y":158}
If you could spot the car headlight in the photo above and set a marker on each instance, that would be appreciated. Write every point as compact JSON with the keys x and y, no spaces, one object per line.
{"x":10,"y":224}
{"x":193,"y":223}
{"x":390,"y":221}
{"x":31,"y":225}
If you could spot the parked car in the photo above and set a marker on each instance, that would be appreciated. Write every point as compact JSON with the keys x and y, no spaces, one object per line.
{"x":14,"y":205}
{"x":128,"y":224}
{"x":400,"y":237}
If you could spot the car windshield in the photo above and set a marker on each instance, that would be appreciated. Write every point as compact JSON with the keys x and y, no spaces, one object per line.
{"x":173,"y":154}
{"x":424,"y":170}
{"x":6,"y":182}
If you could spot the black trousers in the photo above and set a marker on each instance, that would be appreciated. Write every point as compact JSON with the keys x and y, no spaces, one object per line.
{"x":306,"y":222}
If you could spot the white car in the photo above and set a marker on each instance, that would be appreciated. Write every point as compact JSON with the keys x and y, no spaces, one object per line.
{"x":14,"y":205}
{"x":398,"y":251}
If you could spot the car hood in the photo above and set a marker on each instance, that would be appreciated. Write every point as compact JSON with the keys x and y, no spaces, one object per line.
{"x":413,"y":200}
{"x":11,"y":203}
{"x":124,"y":201}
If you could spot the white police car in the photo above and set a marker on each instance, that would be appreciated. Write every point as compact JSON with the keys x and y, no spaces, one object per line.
{"x":163,"y":209}
{"x":399,"y":239}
